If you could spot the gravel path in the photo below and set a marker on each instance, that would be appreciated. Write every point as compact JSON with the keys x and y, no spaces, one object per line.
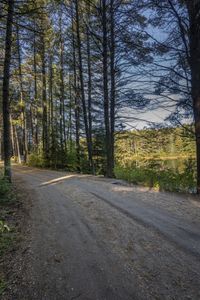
{"x":91,"y":238}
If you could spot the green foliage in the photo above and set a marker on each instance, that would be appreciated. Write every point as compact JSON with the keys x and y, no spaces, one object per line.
{"x":36,"y":160}
{"x":4,"y":187}
{"x":6,"y":193}
{"x":163,"y":159}
{"x":71,"y":160}
{"x":99,"y":152}
{"x":154,"y":143}
{"x":167,"y":179}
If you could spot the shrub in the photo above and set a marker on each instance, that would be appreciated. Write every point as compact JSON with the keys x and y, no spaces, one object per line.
{"x":167,"y":180}
{"x":4,"y":187}
{"x":71,"y":160}
{"x":36,"y":160}
{"x":6,"y":194}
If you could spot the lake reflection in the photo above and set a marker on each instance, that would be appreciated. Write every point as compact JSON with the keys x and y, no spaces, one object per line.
{"x":178,"y":165}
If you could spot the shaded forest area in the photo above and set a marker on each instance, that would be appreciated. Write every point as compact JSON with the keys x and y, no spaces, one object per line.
{"x":76,"y":76}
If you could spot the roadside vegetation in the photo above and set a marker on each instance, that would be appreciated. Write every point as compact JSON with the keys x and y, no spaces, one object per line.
{"x":163,"y":159}
{"x":8,"y":229}
{"x":163,"y":180}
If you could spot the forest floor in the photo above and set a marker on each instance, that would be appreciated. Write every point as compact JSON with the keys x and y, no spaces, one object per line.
{"x":94,"y":238}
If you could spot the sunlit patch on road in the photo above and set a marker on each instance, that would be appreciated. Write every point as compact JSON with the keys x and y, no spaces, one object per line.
{"x":56,"y":180}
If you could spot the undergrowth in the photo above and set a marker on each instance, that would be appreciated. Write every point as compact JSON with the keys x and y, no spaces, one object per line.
{"x":7,"y":231}
{"x":162,"y":180}
{"x":2,"y":285}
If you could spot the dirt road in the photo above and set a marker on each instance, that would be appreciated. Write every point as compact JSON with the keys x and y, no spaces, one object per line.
{"x":93,"y":239}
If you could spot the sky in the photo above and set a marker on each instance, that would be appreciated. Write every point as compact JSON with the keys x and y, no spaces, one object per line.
{"x":133,"y":119}
{"x":139,"y":119}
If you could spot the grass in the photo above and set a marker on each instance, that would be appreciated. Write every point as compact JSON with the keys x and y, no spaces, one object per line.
{"x":162,"y":180}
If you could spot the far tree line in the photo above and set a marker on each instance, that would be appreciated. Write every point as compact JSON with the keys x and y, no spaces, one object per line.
{"x":71,"y":71}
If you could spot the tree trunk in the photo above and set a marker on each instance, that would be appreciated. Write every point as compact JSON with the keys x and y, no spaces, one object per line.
{"x":61,"y":89}
{"x":194,"y":39}
{"x":89,"y":81}
{"x":44,"y":103}
{"x":51,"y":108}
{"x":69,"y":134}
{"x":1,"y":145}
{"x":35,"y":93}
{"x":112,"y":91}
{"x":12,"y":138}
{"x":89,"y":142}
{"x":32,"y":126}
{"x":6,"y":83}
{"x":105,"y":90}
{"x":17,"y":145}
{"x":76,"y":98}
{"x":22,"y":102}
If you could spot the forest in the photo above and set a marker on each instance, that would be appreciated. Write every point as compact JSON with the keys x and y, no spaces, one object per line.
{"x":99,"y":149}
{"x":77,"y":77}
